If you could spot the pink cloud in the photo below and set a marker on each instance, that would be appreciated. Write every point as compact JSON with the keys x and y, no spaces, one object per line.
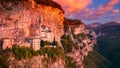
{"x":101,"y":10}
{"x":107,"y":7}
{"x":79,"y":9}
{"x":116,"y":11}
{"x":71,"y":6}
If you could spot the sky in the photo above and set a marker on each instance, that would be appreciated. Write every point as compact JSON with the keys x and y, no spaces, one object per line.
{"x":91,"y":11}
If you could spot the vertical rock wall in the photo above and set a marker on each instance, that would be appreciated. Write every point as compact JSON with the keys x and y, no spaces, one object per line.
{"x":20,"y":19}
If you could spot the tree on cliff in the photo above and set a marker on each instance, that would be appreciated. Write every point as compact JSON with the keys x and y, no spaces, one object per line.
{"x":42,"y":43}
{"x":54,"y":42}
{"x":20,"y":52}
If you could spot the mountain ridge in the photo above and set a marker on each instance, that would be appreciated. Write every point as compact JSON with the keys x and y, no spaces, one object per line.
{"x":108,"y":42}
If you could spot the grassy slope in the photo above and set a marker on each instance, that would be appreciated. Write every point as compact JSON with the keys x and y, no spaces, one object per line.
{"x":110,"y":48}
{"x":96,"y":60}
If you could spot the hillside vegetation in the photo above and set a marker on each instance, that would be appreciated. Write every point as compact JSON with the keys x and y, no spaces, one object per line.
{"x":108,"y":43}
{"x":96,"y":60}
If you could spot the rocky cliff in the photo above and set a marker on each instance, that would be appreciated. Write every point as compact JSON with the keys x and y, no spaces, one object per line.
{"x":22,"y":18}
{"x":75,"y":48}
{"x":108,"y":37}
{"x":82,"y":41}
{"x":37,"y":62}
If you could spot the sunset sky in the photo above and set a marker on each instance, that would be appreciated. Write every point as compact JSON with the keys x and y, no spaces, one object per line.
{"x":91,"y":11}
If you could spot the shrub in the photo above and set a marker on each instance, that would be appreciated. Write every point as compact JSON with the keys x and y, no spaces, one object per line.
{"x":4,"y":55}
{"x":52,"y":53}
{"x":21,"y":52}
{"x":69,"y":62}
{"x":42,"y":44}
{"x":47,"y":43}
{"x":67,"y":43}
{"x":82,"y":35}
{"x":54,"y":43}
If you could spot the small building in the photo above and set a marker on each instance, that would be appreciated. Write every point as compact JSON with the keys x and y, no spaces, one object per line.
{"x":46,"y":34}
{"x":33,"y":42}
{"x":36,"y":43}
{"x":7,"y":43}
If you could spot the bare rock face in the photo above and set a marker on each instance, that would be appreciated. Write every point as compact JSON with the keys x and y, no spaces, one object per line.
{"x":37,"y":62}
{"x":22,"y":19}
{"x":79,"y":29}
{"x":83,"y":39}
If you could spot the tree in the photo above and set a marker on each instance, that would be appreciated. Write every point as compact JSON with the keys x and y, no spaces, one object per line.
{"x":42,"y":44}
{"x":47,"y":43}
{"x":54,"y":42}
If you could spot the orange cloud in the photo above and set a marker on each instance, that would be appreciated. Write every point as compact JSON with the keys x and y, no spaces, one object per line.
{"x":113,"y":2}
{"x":102,"y":9}
{"x":116,"y":11}
{"x":71,"y":6}
{"x":78,"y":9}
{"x":107,"y":7}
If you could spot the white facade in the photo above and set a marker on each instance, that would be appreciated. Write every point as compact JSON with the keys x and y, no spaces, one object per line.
{"x":46,"y":34}
{"x":50,"y":36}
{"x":36,"y":44}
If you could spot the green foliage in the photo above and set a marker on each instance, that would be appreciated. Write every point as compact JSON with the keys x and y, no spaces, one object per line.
{"x":1,"y":42}
{"x":54,"y":42}
{"x":42,"y":44}
{"x":96,"y":60}
{"x":52,"y":53}
{"x":4,"y":55}
{"x":47,"y":43}
{"x":68,"y":44}
{"x":81,"y":47}
{"x":66,"y":28}
{"x":110,"y":48}
{"x":69,"y":63}
{"x":21,"y":52}
{"x":82,"y":35}
{"x":90,"y":36}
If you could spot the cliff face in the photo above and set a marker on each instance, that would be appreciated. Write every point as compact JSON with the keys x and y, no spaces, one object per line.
{"x":82,"y":39}
{"x":23,"y":19}
{"x":75,"y":48}
{"x":37,"y":62}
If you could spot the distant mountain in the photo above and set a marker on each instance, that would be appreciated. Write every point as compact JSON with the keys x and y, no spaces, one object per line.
{"x":94,"y":25}
{"x":108,"y":41}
